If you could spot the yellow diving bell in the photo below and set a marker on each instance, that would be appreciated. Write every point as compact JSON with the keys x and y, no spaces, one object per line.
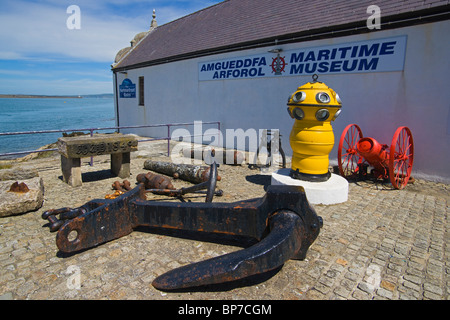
{"x":313,"y":106}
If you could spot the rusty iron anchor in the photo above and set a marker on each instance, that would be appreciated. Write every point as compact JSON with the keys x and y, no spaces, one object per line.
{"x":282,"y":221}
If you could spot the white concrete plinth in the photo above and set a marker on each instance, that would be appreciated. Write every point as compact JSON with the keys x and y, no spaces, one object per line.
{"x":333,"y":191}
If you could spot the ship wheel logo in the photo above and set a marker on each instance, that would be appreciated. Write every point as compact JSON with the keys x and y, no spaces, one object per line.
{"x":278,"y":65}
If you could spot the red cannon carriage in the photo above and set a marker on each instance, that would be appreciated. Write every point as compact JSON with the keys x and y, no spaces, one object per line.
{"x":356,"y":153}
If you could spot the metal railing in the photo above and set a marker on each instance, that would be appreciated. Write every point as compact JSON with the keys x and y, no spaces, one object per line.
{"x":91,"y":130}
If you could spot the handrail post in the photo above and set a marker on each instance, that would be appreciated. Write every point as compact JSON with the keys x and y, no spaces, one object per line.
{"x":218,"y":131}
{"x":92,"y":158}
{"x":168,"y":140}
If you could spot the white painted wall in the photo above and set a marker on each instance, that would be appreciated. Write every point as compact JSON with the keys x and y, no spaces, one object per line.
{"x":417,"y":97}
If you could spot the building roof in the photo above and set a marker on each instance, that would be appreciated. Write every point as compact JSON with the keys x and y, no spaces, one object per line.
{"x":240,"y":24}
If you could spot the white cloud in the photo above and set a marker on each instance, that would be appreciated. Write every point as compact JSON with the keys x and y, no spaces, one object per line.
{"x":41,"y":31}
{"x":31,"y":30}
{"x":9,"y":55}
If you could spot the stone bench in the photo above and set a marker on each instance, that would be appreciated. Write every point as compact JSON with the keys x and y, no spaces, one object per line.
{"x":72,"y":149}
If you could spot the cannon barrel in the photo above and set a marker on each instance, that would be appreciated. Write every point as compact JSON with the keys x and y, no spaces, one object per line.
{"x":230,"y":157}
{"x":188,"y":172}
{"x":372,"y":150}
{"x":374,"y":153}
{"x":154,"y":181}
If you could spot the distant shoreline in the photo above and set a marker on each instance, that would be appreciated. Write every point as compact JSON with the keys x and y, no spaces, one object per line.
{"x":28,"y":96}
{"x":36,"y":96}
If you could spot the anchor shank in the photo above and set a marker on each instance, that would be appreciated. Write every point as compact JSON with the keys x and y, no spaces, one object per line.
{"x":243,"y":218}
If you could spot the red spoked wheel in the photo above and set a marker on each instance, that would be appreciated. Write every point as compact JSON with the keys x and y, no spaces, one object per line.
{"x":401,"y":156}
{"x":348,"y":157}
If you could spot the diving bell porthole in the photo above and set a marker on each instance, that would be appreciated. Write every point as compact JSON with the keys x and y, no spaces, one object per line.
{"x":298,"y":113}
{"x":290,"y":113}
{"x":322,"y":114}
{"x":299,"y":96}
{"x":322,"y":97}
{"x":337,"y":114}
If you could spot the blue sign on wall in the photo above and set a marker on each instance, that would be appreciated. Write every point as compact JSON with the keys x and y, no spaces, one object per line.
{"x":127,"y":89}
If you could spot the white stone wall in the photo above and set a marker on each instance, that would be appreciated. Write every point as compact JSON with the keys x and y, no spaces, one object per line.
{"x":417,"y":97}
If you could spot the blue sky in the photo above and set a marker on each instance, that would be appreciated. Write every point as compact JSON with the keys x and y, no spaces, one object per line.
{"x":39,"y":54}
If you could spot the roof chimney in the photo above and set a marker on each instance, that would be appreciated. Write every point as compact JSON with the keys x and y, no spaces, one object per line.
{"x":153,"y":24}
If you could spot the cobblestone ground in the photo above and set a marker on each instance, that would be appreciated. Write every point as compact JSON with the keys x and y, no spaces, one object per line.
{"x":380,"y":244}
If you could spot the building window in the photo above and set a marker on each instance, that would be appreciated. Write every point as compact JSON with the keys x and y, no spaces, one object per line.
{"x":141,"y":91}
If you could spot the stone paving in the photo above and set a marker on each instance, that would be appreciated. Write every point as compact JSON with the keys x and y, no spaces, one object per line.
{"x":380,"y":244}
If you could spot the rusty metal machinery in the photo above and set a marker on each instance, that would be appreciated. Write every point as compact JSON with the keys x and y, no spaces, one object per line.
{"x":19,"y":187}
{"x":269,"y":139}
{"x":356,"y":153}
{"x":282,"y":221}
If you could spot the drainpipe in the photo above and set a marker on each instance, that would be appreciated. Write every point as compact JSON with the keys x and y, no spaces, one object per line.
{"x":117,"y":101}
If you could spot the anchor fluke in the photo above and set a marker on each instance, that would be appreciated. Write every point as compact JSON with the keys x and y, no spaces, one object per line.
{"x":281,"y":244}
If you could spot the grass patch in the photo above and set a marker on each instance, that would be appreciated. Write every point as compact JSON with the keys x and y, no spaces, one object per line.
{"x":5,"y":166}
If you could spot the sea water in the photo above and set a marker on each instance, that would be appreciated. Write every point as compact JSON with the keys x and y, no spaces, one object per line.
{"x":40,"y":114}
